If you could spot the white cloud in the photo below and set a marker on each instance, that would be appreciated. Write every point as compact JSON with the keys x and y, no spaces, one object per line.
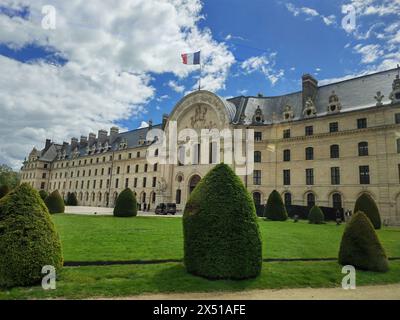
{"x":144,"y":124}
{"x":162,"y":98}
{"x":113,"y":48}
{"x":310,"y":13}
{"x":370,"y":53}
{"x":175,"y":86}
{"x":265,"y":64}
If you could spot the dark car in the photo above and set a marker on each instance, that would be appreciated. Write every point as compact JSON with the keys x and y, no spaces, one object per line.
{"x":166,"y":208}
{"x":160,"y":209}
{"x":171,"y":208}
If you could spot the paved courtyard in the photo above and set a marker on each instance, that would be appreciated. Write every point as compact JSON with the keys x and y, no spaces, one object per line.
{"x":100,"y":211}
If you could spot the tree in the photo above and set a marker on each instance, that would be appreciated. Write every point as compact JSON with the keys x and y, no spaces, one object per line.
{"x":275,"y":209}
{"x":316,"y":216}
{"x":71,"y":199}
{"x":55,"y":203}
{"x":126,"y":204}
{"x":367,"y":205}
{"x":43,"y":194}
{"x":9,"y":177}
{"x":4,"y":189}
{"x":221,"y":234}
{"x":28,"y":239}
{"x":360,"y":246}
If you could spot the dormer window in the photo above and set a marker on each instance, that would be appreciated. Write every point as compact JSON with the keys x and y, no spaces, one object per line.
{"x":309,"y":110}
{"x":258,"y":117}
{"x":288,"y":113}
{"x":334,"y":103}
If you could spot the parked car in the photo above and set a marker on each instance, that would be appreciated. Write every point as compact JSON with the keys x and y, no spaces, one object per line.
{"x":166,"y":208}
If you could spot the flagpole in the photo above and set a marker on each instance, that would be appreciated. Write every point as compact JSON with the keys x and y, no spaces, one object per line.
{"x":200,"y":77}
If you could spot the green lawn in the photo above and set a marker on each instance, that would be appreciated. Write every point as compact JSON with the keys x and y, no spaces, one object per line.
{"x":87,"y":238}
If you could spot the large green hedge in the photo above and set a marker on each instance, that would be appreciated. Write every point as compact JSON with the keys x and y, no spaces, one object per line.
{"x":4,"y":189}
{"x":43,"y":194}
{"x":126,"y":204}
{"x":71,"y":199}
{"x":360,"y":246}
{"x":316,"y":216}
{"x":367,"y":205}
{"x":55,"y":203}
{"x":28,"y":239}
{"x":275,"y":209}
{"x":221,"y":234}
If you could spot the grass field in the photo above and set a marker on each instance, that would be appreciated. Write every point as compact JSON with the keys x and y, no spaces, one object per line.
{"x":87,"y":238}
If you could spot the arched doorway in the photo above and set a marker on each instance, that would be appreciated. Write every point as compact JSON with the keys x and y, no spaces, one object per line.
{"x":337,"y":201}
{"x":193,"y":182}
{"x":257,"y":203}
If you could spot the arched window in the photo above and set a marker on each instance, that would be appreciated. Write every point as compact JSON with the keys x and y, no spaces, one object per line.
{"x":310,"y":199}
{"x":334,"y":151}
{"x":99,"y":196}
{"x":337,"y":201}
{"x":181,"y":155}
{"x":288,"y":199}
{"x":155,"y":167}
{"x":156,"y":153}
{"x":144,"y":197}
{"x":257,"y":198}
{"x":257,"y":156}
{"x":153,"y":197}
{"x":178,"y":196}
{"x":363,"y":149}
{"x":310,"y":153}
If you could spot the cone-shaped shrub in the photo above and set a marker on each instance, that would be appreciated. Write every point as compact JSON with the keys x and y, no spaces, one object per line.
{"x":316,"y":216}
{"x":43,"y":194}
{"x":4,"y":189}
{"x":360,"y":246}
{"x":275,"y":209}
{"x":71,"y":199}
{"x":221,"y":234}
{"x":55,"y":203}
{"x":367,"y":205}
{"x":126,"y":205}
{"x":28,"y":239}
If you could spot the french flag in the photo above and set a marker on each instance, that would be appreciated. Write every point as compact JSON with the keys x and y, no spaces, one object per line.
{"x":191,"y":58}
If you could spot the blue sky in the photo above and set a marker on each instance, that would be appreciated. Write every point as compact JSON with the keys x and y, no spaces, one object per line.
{"x":120,"y":64}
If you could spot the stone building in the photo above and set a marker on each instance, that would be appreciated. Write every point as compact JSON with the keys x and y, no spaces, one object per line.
{"x":325,"y":145}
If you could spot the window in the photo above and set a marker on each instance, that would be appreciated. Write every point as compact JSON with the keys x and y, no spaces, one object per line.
{"x":144,"y":182}
{"x":138,"y":154}
{"x":128,"y":169}
{"x":178,"y":196}
{"x":146,"y":166}
{"x":286,"y":134}
{"x":398,"y":145}
{"x":257,"y":156}
{"x":257,"y":136}
{"x":118,"y":170}
{"x":397,"y":118}
{"x":337,"y":201}
{"x":94,"y":184}
{"x":137,"y":168}
{"x":44,"y":176}
{"x":362,"y":123}
{"x":309,"y":177}
{"x":257,"y":177}
{"x":135,"y":183}
{"x":309,"y":153}
{"x":116,"y":183}
{"x":126,"y":183}
{"x":334,"y":127}
{"x":45,"y":165}
{"x":42,"y":185}
{"x":155,"y":167}
{"x":154,"y":182}
{"x":286,"y":155}
{"x":310,"y":200}
{"x":363,"y":149}
{"x":309,"y":130}
{"x":364,"y":175}
{"x":334,"y":151}
{"x":335,"y":175}
{"x":288,"y":199}
{"x":286,"y":177}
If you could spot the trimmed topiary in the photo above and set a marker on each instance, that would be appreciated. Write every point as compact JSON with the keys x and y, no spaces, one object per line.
{"x":367,"y":205}
{"x":275,"y":209}
{"x":55,"y":203}
{"x":71,"y":199}
{"x":43,"y":194}
{"x":316,"y":215}
{"x":4,"y":189}
{"x":126,"y":205}
{"x":221,"y":234}
{"x":28,"y":239}
{"x":360,"y":246}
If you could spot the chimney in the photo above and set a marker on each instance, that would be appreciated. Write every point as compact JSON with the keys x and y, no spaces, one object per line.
{"x":47,"y":145}
{"x":102,"y":136}
{"x":92,"y":139}
{"x":164,"y":120}
{"x":83,"y":141}
{"x":65,"y":145}
{"x":74,"y":143}
{"x":310,"y":87}
{"x":113,"y":134}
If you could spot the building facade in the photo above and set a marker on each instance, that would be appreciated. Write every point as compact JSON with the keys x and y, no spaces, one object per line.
{"x":324,"y":145}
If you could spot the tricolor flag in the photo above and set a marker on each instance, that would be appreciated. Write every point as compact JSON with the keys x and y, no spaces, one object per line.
{"x":191,"y":58}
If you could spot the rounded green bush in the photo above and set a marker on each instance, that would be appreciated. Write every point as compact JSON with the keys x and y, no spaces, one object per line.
{"x":221,"y":234}
{"x":71,"y":199}
{"x":126,"y":205}
{"x":367,"y":205}
{"x":275,"y":209}
{"x":360,"y":246}
{"x":43,"y":194}
{"x":28,"y":239}
{"x":4,"y":189}
{"x":316,"y":216}
{"x":55,"y":203}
